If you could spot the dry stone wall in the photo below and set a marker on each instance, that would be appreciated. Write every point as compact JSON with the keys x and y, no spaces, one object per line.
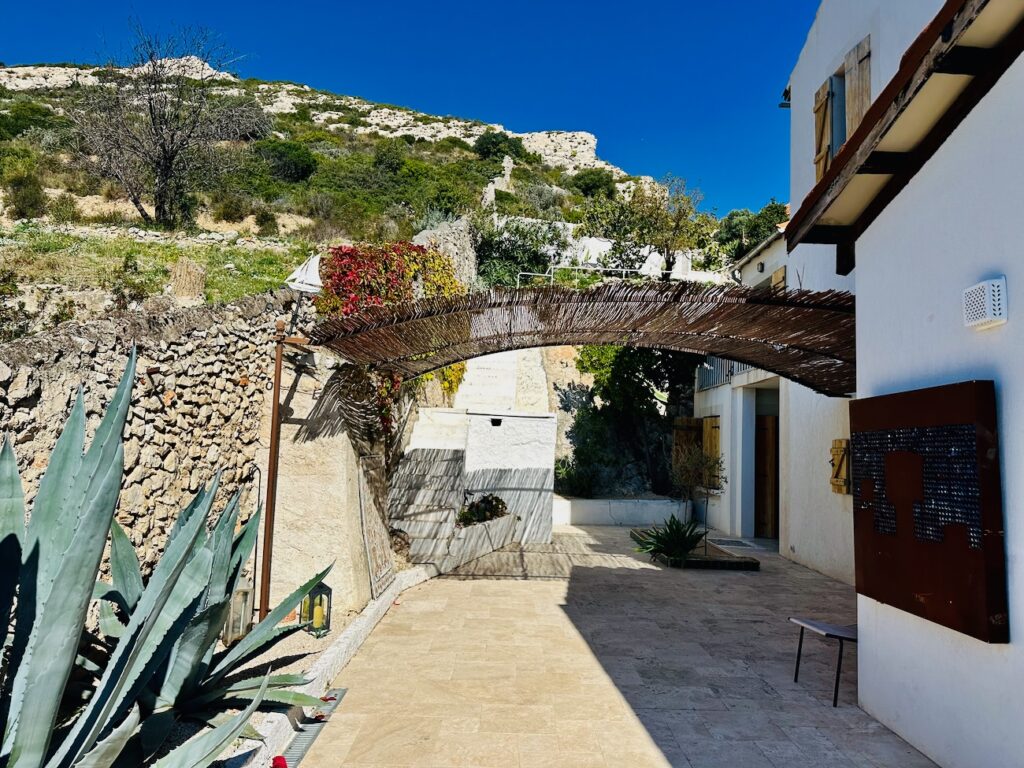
{"x":198,"y":401}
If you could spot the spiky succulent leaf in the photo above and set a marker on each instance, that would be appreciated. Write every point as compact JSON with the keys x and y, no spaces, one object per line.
{"x":278,"y":634}
{"x":163,"y":612}
{"x":221,"y":539}
{"x":110,"y":624}
{"x":279,"y":696}
{"x":248,"y":686}
{"x":80,"y":500}
{"x":243,"y":545}
{"x":124,"y":566}
{"x":103,"y":591}
{"x":218,"y":719}
{"x":186,"y":663}
{"x":12,"y":497}
{"x":265,"y":629}
{"x":12,"y":531}
{"x":201,"y":750}
{"x":104,"y":754}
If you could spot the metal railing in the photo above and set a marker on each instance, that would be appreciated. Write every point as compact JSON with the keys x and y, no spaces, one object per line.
{"x":715,"y":372}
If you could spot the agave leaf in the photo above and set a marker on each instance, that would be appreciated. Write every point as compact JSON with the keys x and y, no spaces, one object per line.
{"x":201,"y":750}
{"x":12,"y":532}
{"x":159,"y":607}
{"x":12,"y":497}
{"x":242,"y":548}
{"x":198,"y":501}
{"x":222,"y":537}
{"x":278,"y":634}
{"x":265,"y":629}
{"x":242,"y":687}
{"x":280,"y":696}
{"x":107,"y":751}
{"x":103,"y":591}
{"x":53,"y":642}
{"x":110,"y":624}
{"x":163,"y":611}
{"x":185,"y":664}
{"x":124,"y":566}
{"x":214,"y":720}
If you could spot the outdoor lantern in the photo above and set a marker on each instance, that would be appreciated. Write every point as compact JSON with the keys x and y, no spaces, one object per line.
{"x":239,"y":620}
{"x":315,"y":612}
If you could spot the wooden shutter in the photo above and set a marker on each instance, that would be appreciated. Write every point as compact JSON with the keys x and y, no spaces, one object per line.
{"x":822,"y":129}
{"x":711,"y":430}
{"x":686,"y":431}
{"x":840,"y":466}
{"x":857,"y":67}
{"x":779,"y":279}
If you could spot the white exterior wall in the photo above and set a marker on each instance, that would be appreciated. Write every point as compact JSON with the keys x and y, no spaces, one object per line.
{"x":513,"y":456}
{"x":816,"y":525}
{"x":957,"y":699}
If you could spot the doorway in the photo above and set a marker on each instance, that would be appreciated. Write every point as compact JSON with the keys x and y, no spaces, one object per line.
{"x":766,"y":476}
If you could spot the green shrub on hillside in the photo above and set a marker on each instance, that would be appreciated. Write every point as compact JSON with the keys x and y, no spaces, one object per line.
{"x":18,"y":117}
{"x":594,"y":182}
{"x":24,"y":197}
{"x":64,"y":209}
{"x":230,"y":206}
{"x":266,"y":222}
{"x":492,"y":145}
{"x":288,"y":160}
{"x":389,"y":155}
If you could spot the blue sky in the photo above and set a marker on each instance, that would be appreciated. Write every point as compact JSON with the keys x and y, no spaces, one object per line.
{"x":689,"y":88}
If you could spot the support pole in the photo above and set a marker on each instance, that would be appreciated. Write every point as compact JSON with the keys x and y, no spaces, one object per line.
{"x":272,"y":466}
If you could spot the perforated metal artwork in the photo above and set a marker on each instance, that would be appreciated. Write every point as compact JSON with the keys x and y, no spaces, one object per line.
{"x":927,"y":506}
{"x":951,"y":491}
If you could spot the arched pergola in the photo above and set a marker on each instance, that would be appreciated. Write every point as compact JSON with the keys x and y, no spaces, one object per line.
{"x":803,"y":336}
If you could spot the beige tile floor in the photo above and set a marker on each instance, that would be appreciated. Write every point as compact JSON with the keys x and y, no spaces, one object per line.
{"x":581,"y":654}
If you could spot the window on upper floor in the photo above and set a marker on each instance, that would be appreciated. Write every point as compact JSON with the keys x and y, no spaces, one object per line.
{"x":840,"y":105}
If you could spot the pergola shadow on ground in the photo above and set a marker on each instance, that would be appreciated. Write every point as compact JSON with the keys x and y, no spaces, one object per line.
{"x":807,"y":337}
{"x":582,"y":653}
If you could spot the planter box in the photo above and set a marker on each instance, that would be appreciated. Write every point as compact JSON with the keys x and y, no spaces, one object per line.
{"x":478,"y":540}
{"x":716,"y":559}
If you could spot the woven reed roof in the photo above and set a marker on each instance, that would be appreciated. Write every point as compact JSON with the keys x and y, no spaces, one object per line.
{"x":803,"y":336}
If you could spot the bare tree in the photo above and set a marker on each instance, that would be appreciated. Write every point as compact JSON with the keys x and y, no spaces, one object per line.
{"x":155,"y":121}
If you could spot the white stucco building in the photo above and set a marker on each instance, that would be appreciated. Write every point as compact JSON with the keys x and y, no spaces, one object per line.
{"x":906,"y":184}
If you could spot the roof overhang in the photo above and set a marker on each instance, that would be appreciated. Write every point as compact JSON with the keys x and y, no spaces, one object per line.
{"x":943,"y":75}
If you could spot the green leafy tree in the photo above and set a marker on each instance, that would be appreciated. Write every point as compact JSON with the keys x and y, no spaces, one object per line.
{"x":23,"y":189}
{"x":288,"y":160}
{"x":594,"y":182}
{"x":494,"y":145}
{"x":661,"y":217}
{"x":508,"y":247}
{"x":741,"y":230}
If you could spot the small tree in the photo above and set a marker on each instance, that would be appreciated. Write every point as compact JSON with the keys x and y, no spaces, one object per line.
{"x":153,"y":123}
{"x":695,"y":472}
{"x":660,"y":217}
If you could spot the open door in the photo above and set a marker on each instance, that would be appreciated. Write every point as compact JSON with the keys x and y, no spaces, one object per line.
{"x":766,"y":477}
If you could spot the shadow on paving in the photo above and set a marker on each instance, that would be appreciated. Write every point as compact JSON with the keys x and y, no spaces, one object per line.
{"x":705,"y":658}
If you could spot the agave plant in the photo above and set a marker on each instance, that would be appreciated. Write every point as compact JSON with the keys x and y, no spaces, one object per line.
{"x":69,"y":697}
{"x":674,"y":540}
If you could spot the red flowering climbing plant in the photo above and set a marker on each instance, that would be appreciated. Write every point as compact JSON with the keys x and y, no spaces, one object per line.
{"x":359,"y":277}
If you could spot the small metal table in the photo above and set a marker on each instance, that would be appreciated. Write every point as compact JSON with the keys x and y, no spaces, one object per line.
{"x":843,"y":634}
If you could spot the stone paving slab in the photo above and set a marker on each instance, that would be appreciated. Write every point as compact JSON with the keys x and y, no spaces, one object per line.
{"x":582,"y":654}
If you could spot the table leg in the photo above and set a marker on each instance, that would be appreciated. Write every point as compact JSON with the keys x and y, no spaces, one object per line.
{"x":799,"y":651}
{"x":839,"y":670}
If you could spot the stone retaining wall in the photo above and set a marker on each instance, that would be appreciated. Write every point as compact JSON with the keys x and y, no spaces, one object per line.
{"x":198,"y":401}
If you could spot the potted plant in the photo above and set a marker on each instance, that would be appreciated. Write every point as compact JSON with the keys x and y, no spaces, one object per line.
{"x":696,"y":473}
{"x":670,"y":543}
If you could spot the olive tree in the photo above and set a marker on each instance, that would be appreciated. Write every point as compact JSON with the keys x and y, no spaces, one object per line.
{"x":153,"y":123}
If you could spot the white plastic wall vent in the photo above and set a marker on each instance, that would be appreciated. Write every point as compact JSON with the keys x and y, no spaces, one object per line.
{"x":985,"y":304}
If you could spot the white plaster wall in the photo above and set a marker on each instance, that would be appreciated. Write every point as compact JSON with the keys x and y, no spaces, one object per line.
{"x":838,"y":27}
{"x":317,"y":521}
{"x":513,"y":456}
{"x":631,"y":512}
{"x":718,"y":402}
{"x":957,"y":699}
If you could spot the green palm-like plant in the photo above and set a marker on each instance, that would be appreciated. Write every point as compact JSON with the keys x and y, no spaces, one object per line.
{"x":674,"y":540}
{"x":71,"y":698}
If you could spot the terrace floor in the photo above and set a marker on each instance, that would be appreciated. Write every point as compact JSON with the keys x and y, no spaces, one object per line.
{"x":583,"y":654}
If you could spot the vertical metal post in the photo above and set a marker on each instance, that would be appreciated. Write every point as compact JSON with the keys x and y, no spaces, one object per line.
{"x":799,"y":651}
{"x":839,"y":671}
{"x":272,"y":464}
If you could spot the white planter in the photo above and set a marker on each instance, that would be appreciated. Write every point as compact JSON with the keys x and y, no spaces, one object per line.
{"x":475,"y":541}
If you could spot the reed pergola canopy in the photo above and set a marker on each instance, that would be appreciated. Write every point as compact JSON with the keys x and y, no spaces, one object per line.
{"x":804,"y":336}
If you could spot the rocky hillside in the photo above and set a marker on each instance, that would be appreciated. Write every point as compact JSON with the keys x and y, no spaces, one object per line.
{"x":570,"y":150}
